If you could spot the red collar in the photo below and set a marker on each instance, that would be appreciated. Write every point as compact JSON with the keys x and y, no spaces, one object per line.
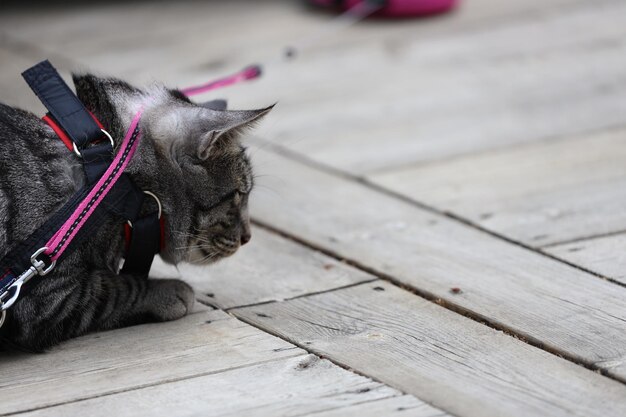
{"x":61,"y":133}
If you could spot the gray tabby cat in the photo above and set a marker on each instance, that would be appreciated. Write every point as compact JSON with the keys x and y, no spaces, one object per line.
{"x":189,"y":156}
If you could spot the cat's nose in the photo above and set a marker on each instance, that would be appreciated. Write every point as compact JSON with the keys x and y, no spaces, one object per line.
{"x":245,"y":237}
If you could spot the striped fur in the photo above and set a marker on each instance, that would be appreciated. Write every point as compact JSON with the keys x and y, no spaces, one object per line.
{"x":189,"y":157}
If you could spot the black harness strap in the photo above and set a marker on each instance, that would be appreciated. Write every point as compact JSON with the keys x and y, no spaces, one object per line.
{"x":62,"y":103}
{"x":69,"y":113}
{"x":96,"y":160}
{"x":145,"y":242}
{"x":18,"y":257}
{"x":124,"y":201}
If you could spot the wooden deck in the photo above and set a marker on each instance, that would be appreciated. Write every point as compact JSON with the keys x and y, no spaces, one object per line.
{"x":440,"y":221}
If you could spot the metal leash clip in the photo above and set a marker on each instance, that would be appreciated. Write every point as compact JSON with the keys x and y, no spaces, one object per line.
{"x":39,"y":268}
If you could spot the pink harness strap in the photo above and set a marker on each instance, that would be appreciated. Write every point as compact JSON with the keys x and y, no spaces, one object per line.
{"x":63,"y":237}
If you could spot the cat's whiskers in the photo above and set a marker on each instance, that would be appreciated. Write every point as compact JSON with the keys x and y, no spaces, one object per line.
{"x":186,"y":234}
{"x":267,"y":188}
{"x":192,"y":237}
{"x":200,"y":230}
{"x":191,"y":247}
{"x":210,"y":256}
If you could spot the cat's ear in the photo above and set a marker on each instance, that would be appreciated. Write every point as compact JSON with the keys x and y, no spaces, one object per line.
{"x":87,"y":84}
{"x":217,"y":104}
{"x":226,"y":127}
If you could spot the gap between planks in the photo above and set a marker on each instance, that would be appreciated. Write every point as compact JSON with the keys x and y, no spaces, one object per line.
{"x":27,"y":48}
{"x":306,"y":294}
{"x":231,"y":311}
{"x":583,"y":239}
{"x":297,"y":354}
{"x":168,"y":381}
{"x":360,"y":327}
{"x":425,"y":294}
{"x":302,"y":159}
{"x":306,"y":384}
{"x":504,"y":18}
{"x":186,"y":347}
{"x":303,"y":346}
{"x":550,"y":139}
{"x":417,"y":292}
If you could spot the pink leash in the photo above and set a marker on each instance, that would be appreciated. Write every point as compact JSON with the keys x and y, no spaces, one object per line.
{"x":63,"y":237}
{"x":249,"y":73}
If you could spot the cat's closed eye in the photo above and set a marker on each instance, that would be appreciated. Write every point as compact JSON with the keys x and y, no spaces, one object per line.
{"x":209,"y":205}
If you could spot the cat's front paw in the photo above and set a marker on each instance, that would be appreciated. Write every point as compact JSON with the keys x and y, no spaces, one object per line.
{"x":170,"y":299}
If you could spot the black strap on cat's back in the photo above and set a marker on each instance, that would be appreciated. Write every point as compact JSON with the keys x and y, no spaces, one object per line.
{"x":74,"y":123}
{"x":67,"y":110}
{"x":78,"y":123}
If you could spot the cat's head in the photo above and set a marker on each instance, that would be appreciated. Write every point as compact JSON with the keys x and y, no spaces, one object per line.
{"x":191,"y":158}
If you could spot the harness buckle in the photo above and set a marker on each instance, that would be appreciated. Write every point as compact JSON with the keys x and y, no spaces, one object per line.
{"x":156,"y":199}
{"x":77,"y":152}
{"x":13,"y":292}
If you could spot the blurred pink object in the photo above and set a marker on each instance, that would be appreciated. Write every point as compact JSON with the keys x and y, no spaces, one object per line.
{"x":395,"y":8}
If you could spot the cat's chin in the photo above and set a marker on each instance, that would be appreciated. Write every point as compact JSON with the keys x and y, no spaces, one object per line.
{"x":202,"y":256}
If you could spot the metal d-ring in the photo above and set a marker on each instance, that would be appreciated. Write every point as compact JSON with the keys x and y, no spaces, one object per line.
{"x":77,"y":152}
{"x":151,"y":194}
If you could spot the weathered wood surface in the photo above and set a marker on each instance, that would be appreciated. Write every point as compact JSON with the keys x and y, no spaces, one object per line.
{"x":537,"y":297}
{"x":380,"y":105}
{"x":537,"y":194}
{"x":454,"y":363}
{"x":193,"y":39}
{"x":270,"y":268}
{"x":289,"y":387}
{"x":377,"y":96}
{"x":126,"y":359}
{"x":441,"y":112}
{"x":603,"y":255}
{"x":14,"y":90}
{"x":404,"y":406}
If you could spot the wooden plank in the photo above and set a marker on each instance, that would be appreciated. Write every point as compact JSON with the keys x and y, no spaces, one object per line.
{"x":288,"y":387}
{"x":454,"y":363}
{"x":538,"y":194}
{"x":603,"y":255}
{"x":192,"y":34}
{"x":126,"y":359}
{"x":270,"y":268}
{"x":445,"y":111}
{"x":490,"y":88}
{"x":404,"y":406}
{"x":13,"y":89}
{"x":536,"y":297}
{"x":122,"y":39}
